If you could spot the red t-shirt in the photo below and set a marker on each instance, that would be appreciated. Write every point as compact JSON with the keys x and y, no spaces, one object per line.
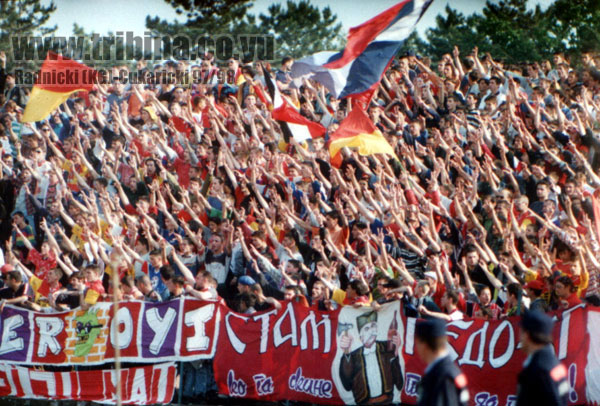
{"x":573,"y":300}
{"x":182,"y":169}
{"x":42,"y":265}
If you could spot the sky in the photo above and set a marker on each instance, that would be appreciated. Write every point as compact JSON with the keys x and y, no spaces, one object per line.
{"x":102,"y":16}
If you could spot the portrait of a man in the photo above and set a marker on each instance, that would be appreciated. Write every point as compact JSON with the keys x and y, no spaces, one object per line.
{"x":372,"y":370}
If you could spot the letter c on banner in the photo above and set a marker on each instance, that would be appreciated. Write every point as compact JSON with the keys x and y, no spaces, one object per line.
{"x":124,"y":337}
{"x":236,"y":343}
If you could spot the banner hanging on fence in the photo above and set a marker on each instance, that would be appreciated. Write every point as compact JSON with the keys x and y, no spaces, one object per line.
{"x":183,"y":329}
{"x":357,"y":356}
{"x":346,"y":356}
{"x":144,"y":385}
{"x":488,"y":353}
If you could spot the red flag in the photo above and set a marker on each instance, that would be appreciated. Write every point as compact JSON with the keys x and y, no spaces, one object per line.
{"x":301,"y":127}
{"x":58,"y":78}
{"x":292,"y":123}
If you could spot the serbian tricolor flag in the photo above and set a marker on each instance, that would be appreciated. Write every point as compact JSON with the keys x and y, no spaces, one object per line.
{"x":369,"y":49}
{"x":358,"y":131}
{"x":58,"y":78}
{"x":292,"y":123}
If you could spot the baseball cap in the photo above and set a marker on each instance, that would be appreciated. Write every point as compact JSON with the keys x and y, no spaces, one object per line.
{"x":535,"y":284}
{"x":6,"y":268}
{"x":431,"y":275}
{"x":246,"y":280}
{"x":431,"y":328}
{"x":537,"y":322}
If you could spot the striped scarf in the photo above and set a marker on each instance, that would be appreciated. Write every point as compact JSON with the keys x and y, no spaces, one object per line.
{"x":28,"y":203}
{"x":51,"y":194}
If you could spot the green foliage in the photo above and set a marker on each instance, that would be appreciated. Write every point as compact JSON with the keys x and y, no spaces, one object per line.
{"x":513,"y":33}
{"x":452,"y":29}
{"x":302,"y":29}
{"x":506,"y":28}
{"x":414,"y":43}
{"x":224,"y":12}
{"x":577,"y":23}
{"x":299,"y":28}
{"x":23,"y":17}
{"x":205,"y":17}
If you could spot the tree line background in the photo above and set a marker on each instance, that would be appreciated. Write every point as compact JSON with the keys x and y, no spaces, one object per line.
{"x":507,"y":29}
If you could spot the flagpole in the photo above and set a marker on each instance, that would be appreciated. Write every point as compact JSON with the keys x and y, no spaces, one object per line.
{"x":115,"y":324}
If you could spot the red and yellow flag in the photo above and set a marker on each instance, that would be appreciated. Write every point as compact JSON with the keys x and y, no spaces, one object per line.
{"x":358,"y":131}
{"x":58,"y":78}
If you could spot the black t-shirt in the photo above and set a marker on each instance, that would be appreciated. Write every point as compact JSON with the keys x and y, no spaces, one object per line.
{"x":172,"y":296}
{"x":259,"y":307}
{"x":8,"y":293}
{"x":69,"y":298}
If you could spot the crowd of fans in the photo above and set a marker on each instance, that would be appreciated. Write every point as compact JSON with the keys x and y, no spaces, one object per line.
{"x":192,"y":189}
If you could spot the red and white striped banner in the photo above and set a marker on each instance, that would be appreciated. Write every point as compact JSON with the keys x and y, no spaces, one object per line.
{"x":151,"y":384}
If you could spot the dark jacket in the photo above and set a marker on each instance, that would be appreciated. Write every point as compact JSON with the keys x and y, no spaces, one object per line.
{"x":543,"y":380}
{"x":354,"y":378}
{"x":443,"y":384}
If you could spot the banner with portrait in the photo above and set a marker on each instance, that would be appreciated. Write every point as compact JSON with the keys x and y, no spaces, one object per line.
{"x":302,"y":354}
{"x":360,"y":356}
{"x":350,"y":355}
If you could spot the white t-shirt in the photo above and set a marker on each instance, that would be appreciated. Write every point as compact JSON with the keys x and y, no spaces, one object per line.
{"x":456,"y":315}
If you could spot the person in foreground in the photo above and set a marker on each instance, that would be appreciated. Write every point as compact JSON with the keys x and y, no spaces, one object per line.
{"x":543,"y":380}
{"x":443,"y":383}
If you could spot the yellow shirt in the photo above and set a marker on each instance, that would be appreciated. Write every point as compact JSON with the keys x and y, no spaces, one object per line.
{"x":77,"y":235}
{"x":339,"y":296}
{"x":109,"y":270}
{"x":82,"y":170}
{"x":91,"y":296}
{"x":36,"y":284}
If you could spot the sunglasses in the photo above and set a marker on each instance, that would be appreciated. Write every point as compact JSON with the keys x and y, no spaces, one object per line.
{"x":87,"y":327}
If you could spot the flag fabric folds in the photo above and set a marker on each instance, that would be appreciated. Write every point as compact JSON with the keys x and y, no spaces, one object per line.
{"x":292,"y":123}
{"x":358,"y":131}
{"x":370,"y":47}
{"x":58,"y":78}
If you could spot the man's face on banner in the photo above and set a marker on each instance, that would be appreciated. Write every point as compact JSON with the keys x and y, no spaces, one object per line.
{"x":368,"y":334}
